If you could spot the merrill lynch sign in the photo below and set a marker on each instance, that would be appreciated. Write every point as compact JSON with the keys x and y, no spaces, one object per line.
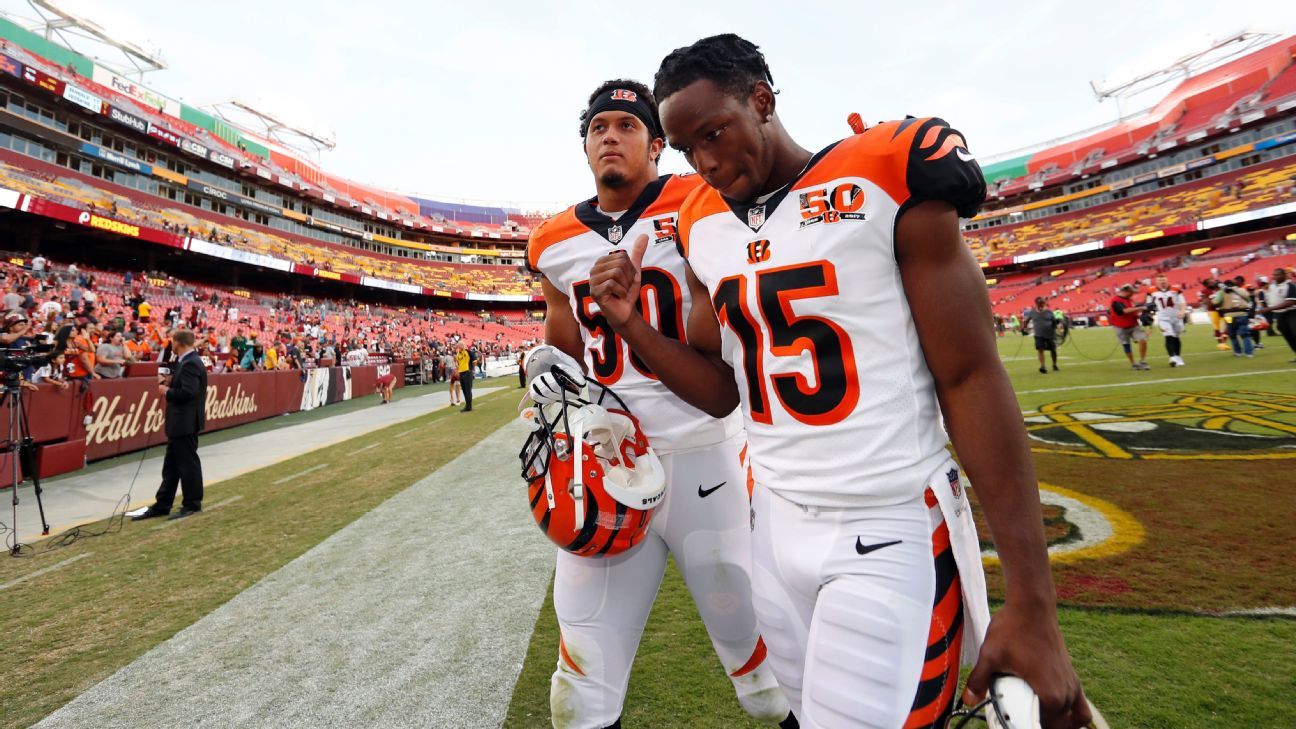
{"x":115,"y":418}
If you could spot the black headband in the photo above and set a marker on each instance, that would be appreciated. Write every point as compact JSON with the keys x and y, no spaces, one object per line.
{"x":622,"y":100}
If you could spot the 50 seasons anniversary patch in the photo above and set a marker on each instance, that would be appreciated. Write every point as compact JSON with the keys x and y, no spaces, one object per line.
{"x":1215,"y":425}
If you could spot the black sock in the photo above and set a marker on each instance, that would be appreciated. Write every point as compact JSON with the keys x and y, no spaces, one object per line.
{"x":1172,"y":346}
{"x":614,"y":725}
{"x":790,"y":722}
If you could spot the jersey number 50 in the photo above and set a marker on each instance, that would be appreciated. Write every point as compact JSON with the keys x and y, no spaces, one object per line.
{"x":608,"y":359}
{"x":835,"y":391}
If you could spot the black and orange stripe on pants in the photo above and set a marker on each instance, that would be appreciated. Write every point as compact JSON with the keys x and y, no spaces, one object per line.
{"x":934,"y":698}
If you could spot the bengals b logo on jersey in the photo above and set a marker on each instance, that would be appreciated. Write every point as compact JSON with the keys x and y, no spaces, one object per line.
{"x":625,"y":95}
{"x":758,"y":251}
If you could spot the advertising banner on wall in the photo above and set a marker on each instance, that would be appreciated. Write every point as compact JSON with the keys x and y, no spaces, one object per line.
{"x":66,"y":213}
{"x":83,"y":98}
{"x":163,"y":135}
{"x":116,"y":158}
{"x":43,"y":80}
{"x":129,"y":414}
{"x":142,"y":94}
{"x":198,"y":245}
{"x":10,"y":66}
{"x":224,"y":160}
{"x":128,"y":119}
{"x":194,"y":148}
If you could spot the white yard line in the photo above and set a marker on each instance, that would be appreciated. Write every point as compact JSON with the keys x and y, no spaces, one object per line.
{"x":1137,"y":383}
{"x":44,"y":570}
{"x":364,"y":448}
{"x":299,"y":474}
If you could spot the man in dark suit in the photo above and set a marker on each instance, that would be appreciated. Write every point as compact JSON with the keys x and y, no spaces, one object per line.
{"x":186,"y":397}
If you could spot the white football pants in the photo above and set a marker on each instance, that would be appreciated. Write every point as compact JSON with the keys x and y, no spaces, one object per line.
{"x":603,"y":603}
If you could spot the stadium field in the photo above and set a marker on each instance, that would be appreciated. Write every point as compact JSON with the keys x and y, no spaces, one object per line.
{"x":1165,"y":501}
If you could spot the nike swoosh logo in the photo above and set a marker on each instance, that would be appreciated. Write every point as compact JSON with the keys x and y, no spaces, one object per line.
{"x":965,"y":156}
{"x":863,"y":548}
{"x":707,"y":492}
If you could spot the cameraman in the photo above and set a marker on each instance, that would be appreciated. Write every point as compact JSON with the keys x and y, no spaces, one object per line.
{"x":1234,"y":305}
{"x":1126,"y":317}
{"x":17,"y":334}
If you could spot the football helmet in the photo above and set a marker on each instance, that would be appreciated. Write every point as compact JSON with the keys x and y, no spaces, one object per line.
{"x":1011,"y":704}
{"x":592,"y":477}
{"x":1258,"y":323}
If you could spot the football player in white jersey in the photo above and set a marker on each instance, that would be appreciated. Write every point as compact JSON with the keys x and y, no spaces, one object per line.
{"x":602,"y":603}
{"x":847,"y":317}
{"x":1171,"y":312}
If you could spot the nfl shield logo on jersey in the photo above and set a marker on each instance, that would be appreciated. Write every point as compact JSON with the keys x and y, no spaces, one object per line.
{"x":614,"y":234}
{"x":756,"y":217}
{"x":955,"y":485}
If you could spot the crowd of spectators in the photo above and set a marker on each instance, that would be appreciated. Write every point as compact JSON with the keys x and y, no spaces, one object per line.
{"x":122,"y":317}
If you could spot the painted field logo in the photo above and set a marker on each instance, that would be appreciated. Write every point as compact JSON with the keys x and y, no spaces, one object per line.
{"x":1214,"y":425}
{"x":1077,"y":526}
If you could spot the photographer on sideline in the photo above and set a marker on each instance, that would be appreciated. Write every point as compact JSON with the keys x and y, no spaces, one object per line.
{"x":1126,"y":318}
{"x":1234,"y":306}
{"x":1281,"y":307}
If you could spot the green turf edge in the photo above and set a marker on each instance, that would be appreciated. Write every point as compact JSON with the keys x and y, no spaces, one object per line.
{"x":1151,"y":670}
{"x":66,"y":630}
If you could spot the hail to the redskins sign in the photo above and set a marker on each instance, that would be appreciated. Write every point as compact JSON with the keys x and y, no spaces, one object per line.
{"x":120,"y":417}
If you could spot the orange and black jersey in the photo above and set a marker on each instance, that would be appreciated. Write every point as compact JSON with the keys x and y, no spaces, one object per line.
{"x":564,"y":248}
{"x":814,"y":318}
{"x":913,"y":160}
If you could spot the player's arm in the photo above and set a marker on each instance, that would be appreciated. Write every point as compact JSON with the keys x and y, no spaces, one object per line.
{"x":694,"y":371}
{"x":561,"y":328}
{"x":947,"y":296}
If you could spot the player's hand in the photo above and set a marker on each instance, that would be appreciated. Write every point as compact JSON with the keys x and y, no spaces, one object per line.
{"x":1027,"y":643}
{"x":614,"y":282}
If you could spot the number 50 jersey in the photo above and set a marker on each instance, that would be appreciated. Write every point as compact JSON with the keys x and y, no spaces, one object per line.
{"x":565,"y":247}
{"x":840,"y":406}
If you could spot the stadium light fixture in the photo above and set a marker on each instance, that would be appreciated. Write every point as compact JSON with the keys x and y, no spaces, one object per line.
{"x":263,"y":124}
{"x":71,"y":30}
{"x":1219,"y":52}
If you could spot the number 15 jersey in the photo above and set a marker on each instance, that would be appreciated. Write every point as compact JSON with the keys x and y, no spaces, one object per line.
{"x":840,"y":406}
{"x":565,"y":247}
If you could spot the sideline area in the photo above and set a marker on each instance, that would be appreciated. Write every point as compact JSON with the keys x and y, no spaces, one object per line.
{"x":405,"y":617}
{"x":92,"y":494}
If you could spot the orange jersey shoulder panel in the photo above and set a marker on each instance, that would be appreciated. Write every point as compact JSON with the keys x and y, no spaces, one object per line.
{"x":555,"y":230}
{"x":702,"y":202}
{"x":879,"y":154}
{"x":673,"y":194}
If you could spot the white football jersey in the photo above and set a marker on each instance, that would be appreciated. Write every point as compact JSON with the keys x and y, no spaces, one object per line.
{"x":564,"y":248}
{"x":1169,"y":302}
{"x":839,"y":404}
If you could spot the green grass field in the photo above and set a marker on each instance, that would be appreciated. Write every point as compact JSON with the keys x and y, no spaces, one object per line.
{"x":1218,"y":533}
{"x":1195,"y":463}
{"x":71,"y":628}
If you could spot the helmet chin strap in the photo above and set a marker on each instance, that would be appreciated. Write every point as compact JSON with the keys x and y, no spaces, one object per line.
{"x":578,"y":473}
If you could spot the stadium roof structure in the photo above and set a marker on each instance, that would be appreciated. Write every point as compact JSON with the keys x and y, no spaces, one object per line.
{"x":77,"y":33}
{"x":244,"y":115}
{"x":1191,"y":64}
{"x":1213,"y":84}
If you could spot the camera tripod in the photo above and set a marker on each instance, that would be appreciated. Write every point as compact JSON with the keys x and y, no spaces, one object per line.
{"x":21,"y":449}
